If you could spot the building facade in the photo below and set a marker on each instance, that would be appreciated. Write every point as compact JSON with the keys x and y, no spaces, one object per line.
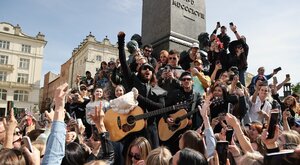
{"x":21,"y":58}
{"x":86,"y":57}
{"x":89,"y":55}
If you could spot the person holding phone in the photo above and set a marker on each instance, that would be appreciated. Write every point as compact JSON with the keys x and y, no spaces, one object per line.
{"x":260,"y":76}
{"x":224,"y":38}
{"x":261,"y":107}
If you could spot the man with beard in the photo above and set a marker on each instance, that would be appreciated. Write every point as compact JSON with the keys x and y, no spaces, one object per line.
{"x":185,"y":93}
{"x":150,"y":97}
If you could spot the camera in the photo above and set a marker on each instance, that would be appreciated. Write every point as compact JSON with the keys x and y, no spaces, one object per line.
{"x":167,"y":68}
{"x":75,"y":98}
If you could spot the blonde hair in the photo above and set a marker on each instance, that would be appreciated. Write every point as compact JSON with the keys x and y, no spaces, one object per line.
{"x":252,"y":158}
{"x":144,"y":146}
{"x":292,"y":139}
{"x":159,"y":156}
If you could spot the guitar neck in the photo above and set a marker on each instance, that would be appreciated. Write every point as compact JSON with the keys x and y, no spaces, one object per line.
{"x":158,"y":112}
{"x":187,"y":115}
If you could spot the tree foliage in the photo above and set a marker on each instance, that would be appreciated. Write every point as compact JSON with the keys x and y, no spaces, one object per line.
{"x":296,"y":88}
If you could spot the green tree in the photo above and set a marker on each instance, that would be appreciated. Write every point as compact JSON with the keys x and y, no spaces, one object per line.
{"x":296,"y":88}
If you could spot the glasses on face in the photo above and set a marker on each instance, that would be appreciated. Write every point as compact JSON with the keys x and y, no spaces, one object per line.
{"x":17,"y":133}
{"x":172,"y":58}
{"x":148,"y":50}
{"x":135,"y":156}
{"x":147,"y":67}
{"x":186,"y":79}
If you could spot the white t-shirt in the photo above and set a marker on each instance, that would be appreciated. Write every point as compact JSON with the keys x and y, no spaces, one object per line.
{"x":90,"y":109}
{"x":259,"y":106}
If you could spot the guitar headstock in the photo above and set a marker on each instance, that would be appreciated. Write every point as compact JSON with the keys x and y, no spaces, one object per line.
{"x":184,"y":104}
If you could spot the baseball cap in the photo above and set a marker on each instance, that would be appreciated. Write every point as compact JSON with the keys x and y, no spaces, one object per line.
{"x":195,"y":45}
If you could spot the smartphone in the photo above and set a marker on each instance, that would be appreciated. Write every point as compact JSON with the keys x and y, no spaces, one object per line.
{"x":277,"y":69}
{"x":222,"y":148}
{"x":229,"y":135}
{"x":67,"y":117}
{"x":27,"y":142}
{"x":282,"y":157}
{"x":272,"y":124}
{"x":79,"y":121}
{"x":218,"y":23}
{"x":229,"y":108}
{"x":10,"y":105}
{"x":275,"y":81}
{"x":231,"y":23}
{"x":239,"y":85}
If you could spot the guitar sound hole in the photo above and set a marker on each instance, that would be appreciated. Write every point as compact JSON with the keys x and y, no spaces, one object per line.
{"x":174,"y":127}
{"x":130,"y":120}
{"x":127,"y":127}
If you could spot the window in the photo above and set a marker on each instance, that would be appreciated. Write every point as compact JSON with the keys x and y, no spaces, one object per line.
{"x":3,"y":59}
{"x":20,"y":95}
{"x":112,"y":59}
{"x":3,"y":94}
{"x":3,"y":76}
{"x":24,"y":63}
{"x":99,"y":58}
{"x":4,"y":44}
{"x":22,"y":78}
{"x":26,"y":48}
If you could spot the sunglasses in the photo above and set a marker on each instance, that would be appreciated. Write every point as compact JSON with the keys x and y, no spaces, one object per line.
{"x":147,"y":67}
{"x":135,"y":156}
{"x":147,"y":50}
{"x":17,"y":133}
{"x":186,"y":79}
{"x":172,"y":58}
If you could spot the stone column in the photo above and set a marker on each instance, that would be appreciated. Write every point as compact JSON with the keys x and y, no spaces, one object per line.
{"x":172,"y":24}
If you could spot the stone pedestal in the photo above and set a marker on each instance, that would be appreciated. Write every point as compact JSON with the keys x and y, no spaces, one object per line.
{"x":172,"y":24}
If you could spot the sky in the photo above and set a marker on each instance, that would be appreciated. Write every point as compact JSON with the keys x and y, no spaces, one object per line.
{"x":270,"y":26}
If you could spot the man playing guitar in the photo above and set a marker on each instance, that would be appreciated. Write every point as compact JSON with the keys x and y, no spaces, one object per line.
{"x":180,"y":95}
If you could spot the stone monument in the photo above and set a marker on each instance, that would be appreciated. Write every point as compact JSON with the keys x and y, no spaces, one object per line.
{"x":172,"y":24}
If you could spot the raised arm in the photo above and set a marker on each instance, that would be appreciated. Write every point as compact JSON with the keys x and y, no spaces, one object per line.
{"x":9,"y":126}
{"x":208,"y":131}
{"x":245,"y":144}
{"x":55,"y":148}
{"x":122,"y":56}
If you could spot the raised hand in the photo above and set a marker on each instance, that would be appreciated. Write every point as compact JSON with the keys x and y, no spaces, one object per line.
{"x":59,"y":96}
{"x":231,"y":120}
{"x":121,"y":34}
{"x":98,"y":118}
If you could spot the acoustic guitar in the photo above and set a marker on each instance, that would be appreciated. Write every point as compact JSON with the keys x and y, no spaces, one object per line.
{"x":166,"y":131}
{"x":120,"y":125}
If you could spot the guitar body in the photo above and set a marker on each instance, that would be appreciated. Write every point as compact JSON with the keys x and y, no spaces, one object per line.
{"x":120,"y":125}
{"x":165,"y":132}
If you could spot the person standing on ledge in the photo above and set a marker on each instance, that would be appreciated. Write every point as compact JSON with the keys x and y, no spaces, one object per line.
{"x":150,"y":96}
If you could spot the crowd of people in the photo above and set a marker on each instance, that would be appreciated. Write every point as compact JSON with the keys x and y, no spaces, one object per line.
{"x":191,"y":107}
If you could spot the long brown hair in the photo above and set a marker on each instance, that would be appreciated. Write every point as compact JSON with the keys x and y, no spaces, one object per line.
{"x":12,"y":157}
{"x":192,"y":139}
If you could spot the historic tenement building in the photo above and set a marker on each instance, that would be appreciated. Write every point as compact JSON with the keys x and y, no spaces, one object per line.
{"x":21,"y":58}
